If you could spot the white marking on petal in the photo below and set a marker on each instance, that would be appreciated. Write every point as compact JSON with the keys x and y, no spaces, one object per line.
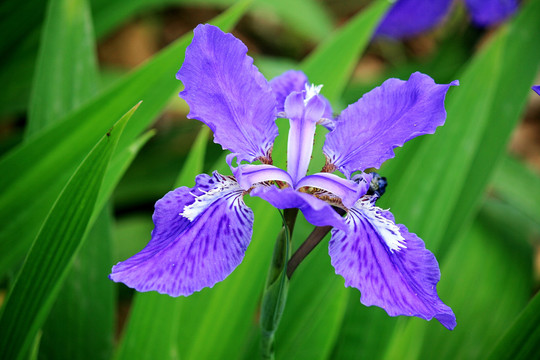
{"x":386,"y":228}
{"x":202,"y":202}
{"x":311,"y":91}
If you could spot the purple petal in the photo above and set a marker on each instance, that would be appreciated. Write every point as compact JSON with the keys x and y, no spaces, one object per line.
{"x":488,"y":12}
{"x":347,"y":190}
{"x":303,"y":113}
{"x":285,"y":84}
{"x":411,"y":17}
{"x":200,"y":237}
{"x":296,"y":81}
{"x":388,"y":116}
{"x":248,"y":175}
{"x":536,"y":89}
{"x":316,"y":211}
{"x":226,"y":92}
{"x":389,"y":265}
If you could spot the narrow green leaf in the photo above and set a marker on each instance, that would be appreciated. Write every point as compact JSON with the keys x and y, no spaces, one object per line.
{"x":306,"y":18}
{"x":518,"y":185}
{"x":81,"y":322}
{"x":66,"y":72}
{"x":488,"y":281}
{"x":521,"y":340}
{"x":46,"y":265}
{"x":35,"y":172}
{"x":332,"y":63}
{"x":431,"y":179}
{"x":78,"y":327}
{"x":454,"y":165}
{"x":195,"y":160}
{"x":19,"y":19}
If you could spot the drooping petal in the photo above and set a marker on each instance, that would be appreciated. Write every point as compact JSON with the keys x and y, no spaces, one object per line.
{"x":226,"y":91}
{"x":388,"y":116}
{"x":488,"y":12}
{"x":536,"y":89}
{"x":316,"y":211}
{"x":304,"y":110}
{"x":389,"y":265}
{"x":411,"y":17}
{"x":200,"y":237}
{"x":347,"y":190}
{"x":247,"y":175}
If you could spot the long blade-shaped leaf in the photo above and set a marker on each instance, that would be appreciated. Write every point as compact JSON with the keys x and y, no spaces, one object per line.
{"x":430,"y":180}
{"x":66,"y":73}
{"x":454,"y":165}
{"x":81,"y":322}
{"x":47,"y":263}
{"x":522,"y":338}
{"x":35,"y":172}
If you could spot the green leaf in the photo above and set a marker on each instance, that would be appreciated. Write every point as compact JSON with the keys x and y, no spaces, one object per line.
{"x":454,"y":165}
{"x":36,"y":171}
{"x":195,"y":160}
{"x":81,"y":322}
{"x":522,"y":338}
{"x":488,"y":281}
{"x":66,"y":73}
{"x":519,"y":186}
{"x":306,"y":18}
{"x":333,"y":61}
{"x":47,"y":263}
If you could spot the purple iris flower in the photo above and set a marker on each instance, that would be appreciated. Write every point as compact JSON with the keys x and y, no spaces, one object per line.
{"x":411,"y":17}
{"x":536,"y":89}
{"x":201,"y":233}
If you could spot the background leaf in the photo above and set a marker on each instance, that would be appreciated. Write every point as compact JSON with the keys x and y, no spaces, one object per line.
{"x":37,"y":170}
{"x":32,"y":295}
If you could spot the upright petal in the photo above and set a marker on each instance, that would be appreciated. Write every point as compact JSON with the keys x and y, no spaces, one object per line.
{"x":304,"y":111}
{"x":388,"y":116}
{"x":200,"y":237}
{"x":296,"y":81}
{"x":488,"y":12}
{"x":536,"y":89}
{"x":389,"y":265}
{"x":316,"y":211}
{"x":285,"y":84}
{"x":226,"y":91}
{"x":412,"y":17}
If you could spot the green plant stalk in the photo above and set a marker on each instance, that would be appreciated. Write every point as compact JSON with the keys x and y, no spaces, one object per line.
{"x":277,"y":285}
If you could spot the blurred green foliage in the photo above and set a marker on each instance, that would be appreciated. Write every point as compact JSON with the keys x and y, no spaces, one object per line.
{"x":476,"y":207}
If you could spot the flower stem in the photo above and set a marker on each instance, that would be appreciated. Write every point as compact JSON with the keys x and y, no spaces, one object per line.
{"x":307,"y":246}
{"x":277,"y":285}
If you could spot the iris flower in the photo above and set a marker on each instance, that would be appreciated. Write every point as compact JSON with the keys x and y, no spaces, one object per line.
{"x":411,"y":17}
{"x":201,"y":233}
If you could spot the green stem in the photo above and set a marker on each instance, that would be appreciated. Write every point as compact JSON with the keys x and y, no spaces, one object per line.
{"x":277,"y":285}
